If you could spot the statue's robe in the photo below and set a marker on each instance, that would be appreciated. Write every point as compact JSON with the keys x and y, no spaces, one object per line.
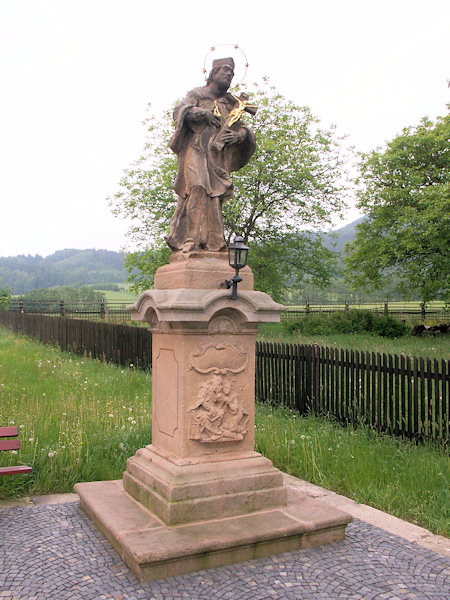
{"x":204,"y":165}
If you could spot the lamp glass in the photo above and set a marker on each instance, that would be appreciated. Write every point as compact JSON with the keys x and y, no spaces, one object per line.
{"x":237,"y":253}
{"x":240,"y":258}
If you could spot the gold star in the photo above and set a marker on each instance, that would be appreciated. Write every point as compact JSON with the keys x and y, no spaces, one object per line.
{"x":236,"y":46}
{"x":246,"y":65}
{"x":213,"y":48}
{"x":204,"y":70}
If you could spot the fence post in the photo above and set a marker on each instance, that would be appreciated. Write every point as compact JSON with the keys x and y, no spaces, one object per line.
{"x":316,"y":380}
{"x":21,"y":306}
{"x":423,"y":311}
{"x":308,"y":378}
{"x":62,"y":310}
{"x":307,"y":308}
{"x":386,"y":308}
{"x":346,"y":305}
{"x":102,"y":309}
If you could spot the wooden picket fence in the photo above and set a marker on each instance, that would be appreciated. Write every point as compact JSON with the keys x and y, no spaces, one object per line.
{"x":398,"y":395}
{"x":394,"y":394}
{"x":120,"y":344}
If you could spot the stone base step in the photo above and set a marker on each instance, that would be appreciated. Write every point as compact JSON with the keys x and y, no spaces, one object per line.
{"x":153,"y":550}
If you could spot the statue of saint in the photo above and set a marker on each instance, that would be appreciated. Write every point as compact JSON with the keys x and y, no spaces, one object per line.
{"x":210,"y":141}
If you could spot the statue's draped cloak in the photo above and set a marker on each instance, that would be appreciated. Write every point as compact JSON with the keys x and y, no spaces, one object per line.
{"x":203,"y":181}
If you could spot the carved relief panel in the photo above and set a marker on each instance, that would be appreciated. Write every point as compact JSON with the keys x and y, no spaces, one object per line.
{"x":218,"y":414}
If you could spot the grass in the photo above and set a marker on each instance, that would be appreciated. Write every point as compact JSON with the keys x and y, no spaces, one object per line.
{"x":426,"y":346}
{"x":123,"y":296}
{"x":393,"y":475}
{"x":80,"y":419}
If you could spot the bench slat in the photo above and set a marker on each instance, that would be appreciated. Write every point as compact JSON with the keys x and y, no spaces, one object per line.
{"x":13,"y":470}
{"x":9,"y":444}
{"x":9,"y":432}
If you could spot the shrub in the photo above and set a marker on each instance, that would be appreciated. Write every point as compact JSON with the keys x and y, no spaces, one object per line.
{"x":351,"y":321}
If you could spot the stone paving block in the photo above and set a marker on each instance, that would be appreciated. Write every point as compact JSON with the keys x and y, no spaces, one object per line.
{"x":369,"y":564}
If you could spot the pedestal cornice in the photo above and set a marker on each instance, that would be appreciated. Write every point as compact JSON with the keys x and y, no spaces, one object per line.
{"x":200,"y":305}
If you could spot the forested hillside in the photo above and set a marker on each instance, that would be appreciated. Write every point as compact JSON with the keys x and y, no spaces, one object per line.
{"x":73,"y":267}
{"x":339,"y":237}
{"x":65,"y":267}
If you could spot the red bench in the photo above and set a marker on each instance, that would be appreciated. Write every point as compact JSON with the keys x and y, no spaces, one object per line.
{"x":11,"y":432}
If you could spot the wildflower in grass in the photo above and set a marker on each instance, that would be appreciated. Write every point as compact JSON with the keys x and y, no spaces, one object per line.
{"x":122,"y":447}
{"x":51,"y":454}
{"x":111,"y":415}
{"x":133,"y":422}
{"x":13,"y":451}
{"x":303,"y":436}
{"x":11,"y":422}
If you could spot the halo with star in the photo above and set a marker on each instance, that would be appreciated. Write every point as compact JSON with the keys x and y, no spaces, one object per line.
{"x":239,"y":57}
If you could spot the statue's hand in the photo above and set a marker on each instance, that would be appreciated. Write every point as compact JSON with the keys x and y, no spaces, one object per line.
{"x":201,"y":115}
{"x":232,"y":137}
{"x":212,"y":119}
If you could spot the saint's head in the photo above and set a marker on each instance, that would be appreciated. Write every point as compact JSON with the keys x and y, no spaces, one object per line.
{"x":222,"y":73}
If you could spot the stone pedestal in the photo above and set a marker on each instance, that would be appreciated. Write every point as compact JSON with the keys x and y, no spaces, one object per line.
{"x":199,"y":495}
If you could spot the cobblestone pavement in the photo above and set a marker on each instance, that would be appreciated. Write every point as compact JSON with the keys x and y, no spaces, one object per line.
{"x":54,"y":552}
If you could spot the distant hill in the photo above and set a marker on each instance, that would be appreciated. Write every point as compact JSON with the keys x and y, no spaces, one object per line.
{"x":86,"y":267}
{"x":64,"y":267}
{"x":341,"y":236}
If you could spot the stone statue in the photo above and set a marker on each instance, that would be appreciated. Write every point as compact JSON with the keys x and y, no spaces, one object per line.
{"x":210,"y":141}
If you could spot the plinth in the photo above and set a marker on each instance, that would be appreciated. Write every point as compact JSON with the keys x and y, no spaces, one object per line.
{"x":199,"y":496}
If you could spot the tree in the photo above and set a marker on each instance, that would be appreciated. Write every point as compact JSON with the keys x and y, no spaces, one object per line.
{"x":51,"y":297}
{"x":64,"y":267}
{"x":5,"y":297}
{"x":292,"y":185}
{"x":405,"y":192}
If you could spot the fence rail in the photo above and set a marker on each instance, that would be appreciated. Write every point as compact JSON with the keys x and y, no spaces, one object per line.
{"x":399,"y":395}
{"x":93,"y":311}
{"x":413,"y":311}
{"x":394,"y":394}
{"x":116,"y":311}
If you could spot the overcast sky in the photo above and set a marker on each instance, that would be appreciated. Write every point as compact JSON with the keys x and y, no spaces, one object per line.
{"x":76,"y":77}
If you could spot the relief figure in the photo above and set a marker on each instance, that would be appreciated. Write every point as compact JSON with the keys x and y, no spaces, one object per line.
{"x":217,"y":415}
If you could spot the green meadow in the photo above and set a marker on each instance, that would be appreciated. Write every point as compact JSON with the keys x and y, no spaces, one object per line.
{"x":425,"y":346}
{"x":122,"y":296}
{"x":80,"y":419}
